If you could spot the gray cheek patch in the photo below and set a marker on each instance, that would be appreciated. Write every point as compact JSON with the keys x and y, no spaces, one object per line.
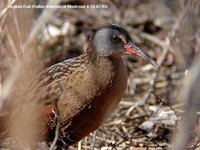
{"x":103,"y":42}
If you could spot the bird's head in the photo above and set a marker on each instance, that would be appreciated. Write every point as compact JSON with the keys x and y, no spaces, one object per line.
{"x":114,"y":40}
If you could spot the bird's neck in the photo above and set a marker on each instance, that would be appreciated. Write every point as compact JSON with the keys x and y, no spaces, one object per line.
{"x":91,"y":53}
{"x":103,"y":68}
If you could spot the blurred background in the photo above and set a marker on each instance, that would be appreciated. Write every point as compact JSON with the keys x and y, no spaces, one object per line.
{"x":159,"y":109}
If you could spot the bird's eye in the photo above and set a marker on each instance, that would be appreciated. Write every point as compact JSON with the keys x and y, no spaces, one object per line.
{"x":116,"y":39}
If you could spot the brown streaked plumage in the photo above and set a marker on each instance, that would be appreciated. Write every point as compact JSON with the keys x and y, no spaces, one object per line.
{"x":87,"y":88}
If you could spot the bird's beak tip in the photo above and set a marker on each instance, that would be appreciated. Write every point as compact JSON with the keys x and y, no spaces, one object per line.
{"x":156,"y":66}
{"x":134,"y":50}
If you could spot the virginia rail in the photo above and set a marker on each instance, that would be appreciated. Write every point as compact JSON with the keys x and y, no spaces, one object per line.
{"x":87,"y":88}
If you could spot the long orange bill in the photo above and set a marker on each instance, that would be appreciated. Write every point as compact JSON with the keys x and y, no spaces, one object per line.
{"x":132,"y":49}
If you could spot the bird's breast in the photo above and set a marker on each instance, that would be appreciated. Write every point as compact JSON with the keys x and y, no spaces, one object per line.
{"x":112,"y":95}
{"x":109,"y":77}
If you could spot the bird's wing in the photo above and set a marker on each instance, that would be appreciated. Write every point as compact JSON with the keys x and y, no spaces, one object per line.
{"x":48,"y":84}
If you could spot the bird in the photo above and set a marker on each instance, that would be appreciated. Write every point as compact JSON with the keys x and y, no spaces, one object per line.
{"x":81,"y":93}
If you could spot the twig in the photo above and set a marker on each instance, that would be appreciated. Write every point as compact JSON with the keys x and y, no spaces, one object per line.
{"x":57,"y":112}
{"x":93,"y":140}
{"x":160,"y":63}
{"x":162,"y":101}
{"x":79,"y":145}
{"x":57,"y":126}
